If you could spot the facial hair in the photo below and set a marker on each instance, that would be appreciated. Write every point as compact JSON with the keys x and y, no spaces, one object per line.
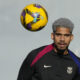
{"x":60,"y":51}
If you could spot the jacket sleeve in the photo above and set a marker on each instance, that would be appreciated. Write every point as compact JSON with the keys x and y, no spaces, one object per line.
{"x":78,"y":74}
{"x":26,"y":71}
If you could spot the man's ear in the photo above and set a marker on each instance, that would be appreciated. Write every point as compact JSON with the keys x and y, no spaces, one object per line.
{"x":52,"y":36}
{"x":72,"y":36}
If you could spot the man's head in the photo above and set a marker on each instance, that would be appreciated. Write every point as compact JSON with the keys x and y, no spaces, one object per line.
{"x":62,"y":33}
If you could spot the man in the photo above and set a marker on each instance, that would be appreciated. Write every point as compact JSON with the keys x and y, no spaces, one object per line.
{"x":55,"y":61}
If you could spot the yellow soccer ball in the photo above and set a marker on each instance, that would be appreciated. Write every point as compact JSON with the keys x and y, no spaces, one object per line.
{"x":34,"y":17}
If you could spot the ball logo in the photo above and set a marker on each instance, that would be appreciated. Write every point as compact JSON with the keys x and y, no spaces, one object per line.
{"x":69,"y":70}
{"x":37,"y":16}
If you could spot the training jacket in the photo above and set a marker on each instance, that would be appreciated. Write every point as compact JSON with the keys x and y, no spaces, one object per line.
{"x":51,"y":66}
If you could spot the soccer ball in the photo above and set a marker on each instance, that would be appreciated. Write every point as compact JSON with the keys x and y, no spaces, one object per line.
{"x":34,"y":17}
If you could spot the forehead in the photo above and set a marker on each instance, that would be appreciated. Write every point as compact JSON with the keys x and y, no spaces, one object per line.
{"x":62,"y":30}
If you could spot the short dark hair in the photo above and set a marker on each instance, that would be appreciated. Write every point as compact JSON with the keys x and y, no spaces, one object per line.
{"x":63,"y":22}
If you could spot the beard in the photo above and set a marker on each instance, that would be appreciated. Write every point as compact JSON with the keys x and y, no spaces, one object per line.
{"x":60,"y":51}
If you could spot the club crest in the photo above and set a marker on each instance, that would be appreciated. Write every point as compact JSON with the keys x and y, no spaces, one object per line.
{"x":69,"y":70}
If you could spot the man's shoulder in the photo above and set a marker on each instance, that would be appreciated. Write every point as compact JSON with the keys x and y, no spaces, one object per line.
{"x":76,"y":55}
{"x":33,"y":53}
{"x":37,"y":50}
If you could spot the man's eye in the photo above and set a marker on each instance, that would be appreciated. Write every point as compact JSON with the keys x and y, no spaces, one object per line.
{"x":67,"y":35}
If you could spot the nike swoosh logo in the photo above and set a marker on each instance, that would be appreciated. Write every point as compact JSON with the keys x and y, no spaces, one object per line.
{"x":47,"y":66}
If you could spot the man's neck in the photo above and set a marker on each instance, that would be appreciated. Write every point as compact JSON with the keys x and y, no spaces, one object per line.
{"x":64,"y":53}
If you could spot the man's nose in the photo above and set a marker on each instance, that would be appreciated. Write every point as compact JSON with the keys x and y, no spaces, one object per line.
{"x":62,"y":37}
